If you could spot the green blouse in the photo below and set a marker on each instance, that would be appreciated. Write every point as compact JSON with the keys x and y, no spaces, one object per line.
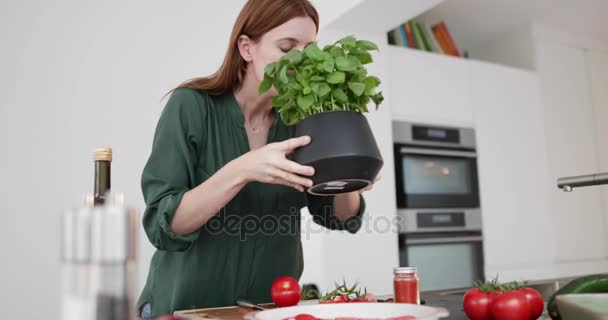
{"x":253,"y":240}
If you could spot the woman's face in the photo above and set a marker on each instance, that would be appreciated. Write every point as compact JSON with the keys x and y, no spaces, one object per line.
{"x":295,"y":33}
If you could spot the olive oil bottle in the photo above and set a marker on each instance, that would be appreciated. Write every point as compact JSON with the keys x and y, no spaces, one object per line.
{"x":102,"y":183}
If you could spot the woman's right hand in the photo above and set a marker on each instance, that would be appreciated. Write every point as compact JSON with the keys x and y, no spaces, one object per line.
{"x":269,"y":164}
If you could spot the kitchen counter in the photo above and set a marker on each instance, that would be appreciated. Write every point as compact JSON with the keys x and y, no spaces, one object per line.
{"x":448,"y":299}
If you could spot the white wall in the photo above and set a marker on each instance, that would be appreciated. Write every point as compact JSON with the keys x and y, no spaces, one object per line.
{"x":76,"y":75}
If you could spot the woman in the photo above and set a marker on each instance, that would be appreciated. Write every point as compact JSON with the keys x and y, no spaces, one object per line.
{"x":223,"y":201}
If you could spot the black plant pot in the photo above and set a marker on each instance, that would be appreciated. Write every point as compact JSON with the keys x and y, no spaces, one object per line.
{"x":342,"y":150}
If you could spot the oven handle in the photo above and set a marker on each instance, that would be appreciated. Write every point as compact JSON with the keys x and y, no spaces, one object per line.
{"x":468,"y":154}
{"x":443,"y":240}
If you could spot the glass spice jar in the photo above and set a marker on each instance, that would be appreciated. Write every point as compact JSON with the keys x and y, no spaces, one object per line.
{"x":406,"y":285}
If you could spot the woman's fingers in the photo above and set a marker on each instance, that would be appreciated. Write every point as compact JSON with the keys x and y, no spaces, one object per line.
{"x":289,"y":184}
{"x":294,"y":167}
{"x":279,"y":174}
{"x":289,"y":145}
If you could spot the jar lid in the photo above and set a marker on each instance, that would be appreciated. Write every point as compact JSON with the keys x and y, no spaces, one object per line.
{"x":405,"y":270}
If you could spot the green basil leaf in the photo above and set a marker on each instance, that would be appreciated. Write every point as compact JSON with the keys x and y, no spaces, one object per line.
{"x":357,"y":88}
{"x":304,"y":102}
{"x":328,"y":65}
{"x":358,"y":75}
{"x":336,"y":77}
{"x":345,"y":64}
{"x":324,"y":90}
{"x":364,"y":58}
{"x":300,"y":77}
{"x":366,"y":45}
{"x":372,"y":82}
{"x":313,"y":52}
{"x":283,"y":75}
{"x":339,"y":95}
{"x":320,"y":89}
{"x":336,"y":52}
{"x":265,"y":85}
{"x":290,"y":93}
{"x":377,"y":99}
{"x":294,"y":85}
{"x":269,"y":69}
{"x":294,"y":56}
{"x":349,"y":41}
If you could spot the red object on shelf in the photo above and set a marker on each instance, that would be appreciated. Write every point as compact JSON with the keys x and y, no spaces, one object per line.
{"x":406,"y":285}
{"x":449,"y":38}
{"x":443,"y":43}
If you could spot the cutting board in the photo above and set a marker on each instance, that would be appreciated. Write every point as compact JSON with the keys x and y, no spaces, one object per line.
{"x":224,"y":313}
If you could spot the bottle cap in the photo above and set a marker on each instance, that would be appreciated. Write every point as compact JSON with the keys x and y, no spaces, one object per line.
{"x":404,"y":270}
{"x":102,"y":154}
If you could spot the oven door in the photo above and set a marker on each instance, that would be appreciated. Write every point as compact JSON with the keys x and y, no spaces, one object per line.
{"x":436,"y":178}
{"x":446,"y":260}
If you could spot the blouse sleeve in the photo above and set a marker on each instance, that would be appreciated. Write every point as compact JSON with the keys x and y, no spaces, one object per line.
{"x":168,"y":173}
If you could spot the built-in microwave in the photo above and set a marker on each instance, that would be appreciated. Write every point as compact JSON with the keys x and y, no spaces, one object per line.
{"x":435,"y":167}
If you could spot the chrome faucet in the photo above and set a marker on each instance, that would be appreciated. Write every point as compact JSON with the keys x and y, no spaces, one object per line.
{"x":569,"y":183}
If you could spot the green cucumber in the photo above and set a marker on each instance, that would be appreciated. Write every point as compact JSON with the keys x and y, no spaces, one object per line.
{"x":594,"y":283}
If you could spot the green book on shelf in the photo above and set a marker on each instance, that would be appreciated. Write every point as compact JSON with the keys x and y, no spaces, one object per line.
{"x":423,"y":35}
{"x":417,"y":35}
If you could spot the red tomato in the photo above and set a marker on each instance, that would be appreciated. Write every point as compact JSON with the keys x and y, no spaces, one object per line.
{"x":285,"y":291}
{"x":339,"y":299}
{"x":305,"y":316}
{"x":358,"y":300}
{"x":511,"y":305}
{"x":535,"y":301}
{"x":477,"y":304}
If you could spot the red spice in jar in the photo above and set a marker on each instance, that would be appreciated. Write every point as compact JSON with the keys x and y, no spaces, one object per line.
{"x":406,"y":285}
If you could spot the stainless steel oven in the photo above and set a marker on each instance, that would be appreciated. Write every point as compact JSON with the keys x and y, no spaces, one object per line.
{"x":438,"y":204}
{"x":445,"y":259}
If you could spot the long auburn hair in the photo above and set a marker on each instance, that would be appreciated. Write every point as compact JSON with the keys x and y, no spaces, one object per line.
{"x":255,"y":19}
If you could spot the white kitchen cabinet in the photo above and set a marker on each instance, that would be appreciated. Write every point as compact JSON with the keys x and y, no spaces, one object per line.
{"x":597,"y":66}
{"x":513,"y":175}
{"x":571,"y":147}
{"x":428,"y":88}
